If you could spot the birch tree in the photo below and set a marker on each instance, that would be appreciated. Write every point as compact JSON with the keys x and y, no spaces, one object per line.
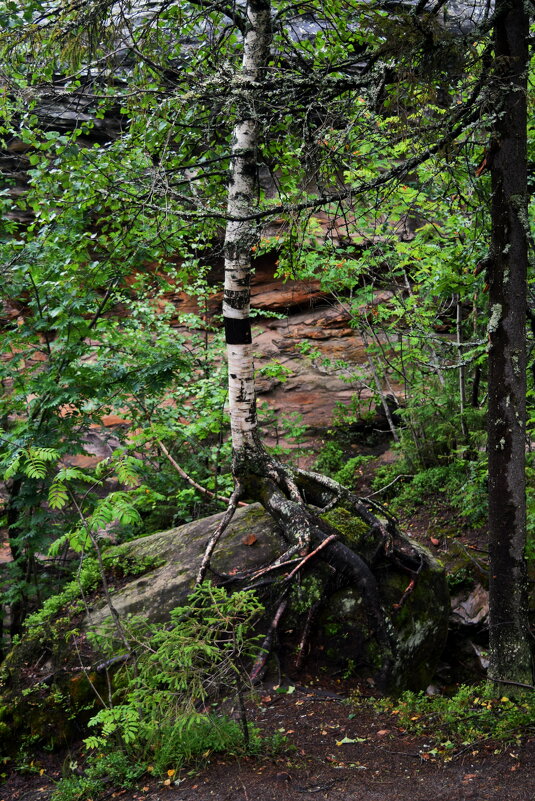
{"x":210,"y":83}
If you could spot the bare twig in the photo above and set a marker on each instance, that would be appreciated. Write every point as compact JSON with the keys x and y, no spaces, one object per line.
{"x":214,"y":539}
{"x":260,"y":662}
{"x":192,"y":481}
{"x":102,"y":570}
{"x":512,"y":683}
{"x":377,"y":492}
{"x":325,"y":542}
{"x":408,"y":591}
{"x":311,"y":616}
{"x":277,"y":566}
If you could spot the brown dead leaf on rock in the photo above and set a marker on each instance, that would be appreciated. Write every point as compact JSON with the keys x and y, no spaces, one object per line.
{"x":250,"y":539}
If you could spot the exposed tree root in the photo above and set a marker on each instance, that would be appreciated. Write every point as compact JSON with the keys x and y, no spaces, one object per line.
{"x":297,"y":520}
{"x":261,"y":662}
{"x":216,"y":536}
{"x":296,"y":499}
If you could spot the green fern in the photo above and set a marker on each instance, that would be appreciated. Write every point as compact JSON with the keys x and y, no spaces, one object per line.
{"x":58,"y":495}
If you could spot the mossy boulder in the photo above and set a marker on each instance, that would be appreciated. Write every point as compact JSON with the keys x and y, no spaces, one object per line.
{"x":416,"y":613}
{"x":51,"y":678}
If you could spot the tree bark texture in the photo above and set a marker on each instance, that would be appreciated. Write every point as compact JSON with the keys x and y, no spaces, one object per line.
{"x":510,"y":645}
{"x":241,"y":233}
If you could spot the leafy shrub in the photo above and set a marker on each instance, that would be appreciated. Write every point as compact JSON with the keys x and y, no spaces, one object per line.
{"x":330,"y":459}
{"x":333,"y":461}
{"x":168,"y":714}
{"x":459,"y":482}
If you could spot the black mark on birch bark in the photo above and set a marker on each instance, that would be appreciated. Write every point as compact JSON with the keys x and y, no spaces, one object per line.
{"x":237,"y":332}
{"x":236,"y":298}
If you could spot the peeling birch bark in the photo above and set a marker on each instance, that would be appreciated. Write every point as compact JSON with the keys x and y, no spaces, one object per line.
{"x":242,"y":233}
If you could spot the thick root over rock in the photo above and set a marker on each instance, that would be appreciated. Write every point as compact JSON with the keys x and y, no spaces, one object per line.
{"x":298,"y":500}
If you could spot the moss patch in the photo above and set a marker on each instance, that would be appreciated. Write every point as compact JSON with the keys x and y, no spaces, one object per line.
{"x":354,"y":532}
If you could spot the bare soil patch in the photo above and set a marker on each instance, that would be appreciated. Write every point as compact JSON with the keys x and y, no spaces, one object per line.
{"x":383,"y":763}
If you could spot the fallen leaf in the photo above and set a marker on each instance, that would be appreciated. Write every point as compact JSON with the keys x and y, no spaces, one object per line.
{"x":346,"y":740}
{"x":265,"y":699}
{"x":382,"y":732}
{"x":250,"y":539}
{"x":434,"y":541}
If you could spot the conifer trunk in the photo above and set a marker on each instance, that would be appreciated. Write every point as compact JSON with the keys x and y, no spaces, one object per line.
{"x":510,"y":645}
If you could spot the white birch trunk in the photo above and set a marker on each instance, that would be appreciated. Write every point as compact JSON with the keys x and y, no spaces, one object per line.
{"x":241,"y":233}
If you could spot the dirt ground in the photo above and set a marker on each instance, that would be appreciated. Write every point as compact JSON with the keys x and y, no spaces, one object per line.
{"x":384,"y":764}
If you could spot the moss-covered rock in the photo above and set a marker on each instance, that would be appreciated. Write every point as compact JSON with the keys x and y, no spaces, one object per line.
{"x":48,"y":681}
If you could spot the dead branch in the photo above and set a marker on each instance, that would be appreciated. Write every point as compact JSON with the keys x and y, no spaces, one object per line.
{"x":323,"y":544}
{"x":191,"y":481}
{"x":305,"y":637}
{"x":214,"y":539}
{"x":261,"y":660}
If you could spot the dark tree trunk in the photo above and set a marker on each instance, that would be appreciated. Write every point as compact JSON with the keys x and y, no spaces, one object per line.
{"x":510,"y":645}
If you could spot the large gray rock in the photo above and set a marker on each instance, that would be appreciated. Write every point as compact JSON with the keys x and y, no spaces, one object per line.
{"x":341,"y":638}
{"x":56,"y":658}
{"x":180,"y":552}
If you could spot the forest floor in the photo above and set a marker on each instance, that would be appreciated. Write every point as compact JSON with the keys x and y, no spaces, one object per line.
{"x":384,"y":763}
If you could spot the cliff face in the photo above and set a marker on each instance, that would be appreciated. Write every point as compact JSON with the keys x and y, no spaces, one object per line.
{"x":322,"y":358}
{"x":322,"y":354}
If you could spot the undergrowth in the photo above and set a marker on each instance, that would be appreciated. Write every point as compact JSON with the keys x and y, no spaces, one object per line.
{"x":467,"y":719}
{"x":175,"y":701}
{"x":178,"y":748}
